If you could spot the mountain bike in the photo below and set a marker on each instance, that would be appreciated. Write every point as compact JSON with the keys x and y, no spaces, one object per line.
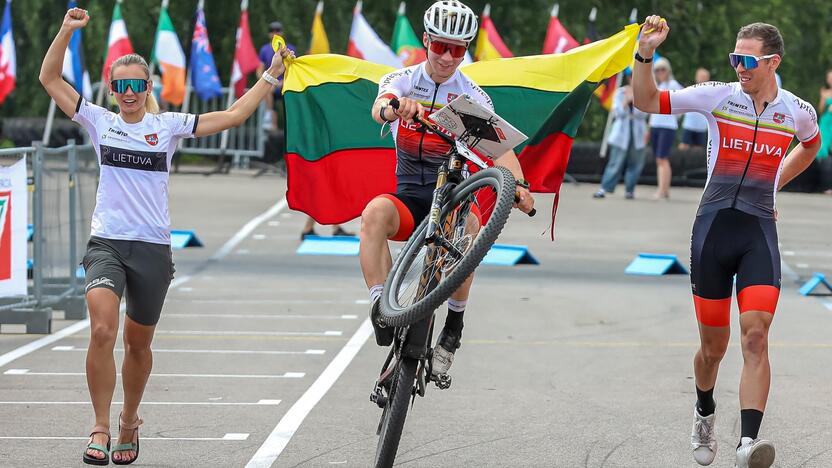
{"x":468,"y":211}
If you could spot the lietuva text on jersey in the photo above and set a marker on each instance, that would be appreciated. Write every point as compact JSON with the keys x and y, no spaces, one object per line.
{"x":745,"y":150}
{"x":132,"y":199}
{"x":420,"y":152}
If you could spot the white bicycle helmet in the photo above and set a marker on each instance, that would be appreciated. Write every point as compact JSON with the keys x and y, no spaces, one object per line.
{"x":449,"y":19}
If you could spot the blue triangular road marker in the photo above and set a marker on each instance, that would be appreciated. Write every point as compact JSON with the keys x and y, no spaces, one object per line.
{"x":808,"y":288}
{"x":344,"y":246}
{"x":509,"y":255}
{"x":655,"y":265}
{"x":30,"y":232}
{"x":181,"y":239}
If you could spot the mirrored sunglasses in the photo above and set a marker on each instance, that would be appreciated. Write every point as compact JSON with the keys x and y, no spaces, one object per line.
{"x":120,"y":86}
{"x":749,"y":62}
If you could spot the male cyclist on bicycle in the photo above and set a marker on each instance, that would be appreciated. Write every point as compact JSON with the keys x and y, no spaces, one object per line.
{"x":450,"y":26}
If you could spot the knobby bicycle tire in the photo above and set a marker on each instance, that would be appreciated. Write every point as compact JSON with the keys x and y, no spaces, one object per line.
{"x":395,"y":412}
{"x":399,"y":315}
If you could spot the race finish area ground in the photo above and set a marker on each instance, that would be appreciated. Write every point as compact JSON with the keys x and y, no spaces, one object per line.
{"x":262,"y":356}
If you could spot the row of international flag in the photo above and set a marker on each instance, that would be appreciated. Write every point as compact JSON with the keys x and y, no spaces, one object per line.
{"x":405,"y":49}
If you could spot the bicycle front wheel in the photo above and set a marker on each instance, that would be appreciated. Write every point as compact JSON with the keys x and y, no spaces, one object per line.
{"x":425,"y":275}
{"x":395,"y":411}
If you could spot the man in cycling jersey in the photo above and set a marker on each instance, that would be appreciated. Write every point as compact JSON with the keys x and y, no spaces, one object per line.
{"x":751,"y":124}
{"x":450,"y":26}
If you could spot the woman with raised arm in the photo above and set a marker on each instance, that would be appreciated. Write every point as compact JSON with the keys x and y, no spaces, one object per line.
{"x":129,"y":248}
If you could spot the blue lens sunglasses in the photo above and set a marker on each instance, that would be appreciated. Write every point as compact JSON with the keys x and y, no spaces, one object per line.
{"x":120,"y":86}
{"x":749,"y":62}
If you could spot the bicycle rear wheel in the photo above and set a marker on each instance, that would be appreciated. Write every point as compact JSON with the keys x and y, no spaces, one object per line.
{"x":425,"y":275}
{"x":395,"y":411}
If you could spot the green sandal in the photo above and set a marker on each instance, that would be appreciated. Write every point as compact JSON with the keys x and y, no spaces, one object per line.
{"x":130,"y":445}
{"x":89,"y":459}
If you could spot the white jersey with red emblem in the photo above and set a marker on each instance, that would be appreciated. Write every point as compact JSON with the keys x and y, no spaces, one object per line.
{"x":134,"y":160}
{"x":419,"y":153}
{"x":745,"y":150}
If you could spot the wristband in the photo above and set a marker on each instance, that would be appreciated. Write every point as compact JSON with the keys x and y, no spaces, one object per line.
{"x":270,"y":79}
{"x":381,"y":114}
{"x":642,"y":59}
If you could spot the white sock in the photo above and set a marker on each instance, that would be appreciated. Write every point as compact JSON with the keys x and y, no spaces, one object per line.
{"x":746,"y":441}
{"x":375,"y":292}
{"x":456,"y":306}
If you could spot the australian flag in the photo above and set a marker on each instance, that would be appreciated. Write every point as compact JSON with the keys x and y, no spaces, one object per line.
{"x":204,"y":77}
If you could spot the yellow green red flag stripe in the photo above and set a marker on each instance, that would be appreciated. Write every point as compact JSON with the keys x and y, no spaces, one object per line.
{"x":337,"y":161}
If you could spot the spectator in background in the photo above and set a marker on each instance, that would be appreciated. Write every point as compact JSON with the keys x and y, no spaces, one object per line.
{"x":627,"y":141}
{"x":824,"y":156}
{"x":274,"y":106}
{"x":663,"y":129}
{"x":695,"y":125}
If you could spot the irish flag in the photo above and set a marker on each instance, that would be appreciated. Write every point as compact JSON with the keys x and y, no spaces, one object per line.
{"x":406,"y":44}
{"x":337,"y":161}
{"x":168,"y":53}
{"x":489,"y":43}
{"x":366,"y":44}
{"x":319,"y":44}
{"x":118,"y":43}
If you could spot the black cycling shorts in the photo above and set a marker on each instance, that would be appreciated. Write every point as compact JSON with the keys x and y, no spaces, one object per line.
{"x":143,"y":269}
{"x":730,"y":242}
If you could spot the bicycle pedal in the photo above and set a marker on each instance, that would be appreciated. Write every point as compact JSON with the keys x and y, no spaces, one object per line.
{"x":442,"y":381}
{"x":377,"y":396}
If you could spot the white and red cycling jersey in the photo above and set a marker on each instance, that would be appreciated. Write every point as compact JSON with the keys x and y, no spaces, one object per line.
{"x":745,"y":150}
{"x":419,"y":152}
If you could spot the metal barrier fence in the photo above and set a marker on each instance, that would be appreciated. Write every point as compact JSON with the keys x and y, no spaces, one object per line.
{"x":246,"y":141}
{"x":63,"y":183}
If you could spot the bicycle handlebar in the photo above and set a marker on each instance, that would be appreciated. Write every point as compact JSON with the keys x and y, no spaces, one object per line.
{"x":394,"y":103}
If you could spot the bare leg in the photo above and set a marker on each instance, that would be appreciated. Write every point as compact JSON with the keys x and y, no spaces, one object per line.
{"x":713,"y":344}
{"x":138,"y":360}
{"x":664,"y":175}
{"x":310,"y":224}
{"x":101,"y":367}
{"x":379,"y":221}
{"x":756,"y":372}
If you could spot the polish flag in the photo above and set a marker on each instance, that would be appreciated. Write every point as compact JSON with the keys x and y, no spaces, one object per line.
{"x":245,"y":55}
{"x":118,"y":43}
{"x":558,"y":38}
{"x":366,"y":44}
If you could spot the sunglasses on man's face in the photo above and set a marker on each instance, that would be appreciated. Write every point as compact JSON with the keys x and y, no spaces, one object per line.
{"x":749,"y":62}
{"x":439,"y":48}
{"x":120,"y":86}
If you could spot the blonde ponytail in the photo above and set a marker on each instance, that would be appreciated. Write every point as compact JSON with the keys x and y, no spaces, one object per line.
{"x":150,"y":104}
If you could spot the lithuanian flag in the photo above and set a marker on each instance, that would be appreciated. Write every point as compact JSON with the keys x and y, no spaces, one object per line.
{"x":337,"y":161}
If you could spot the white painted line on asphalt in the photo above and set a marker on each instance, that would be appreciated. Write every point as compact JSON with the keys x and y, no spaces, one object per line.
{"x":258,"y":236}
{"x":204,"y":351}
{"x":264,"y":316}
{"x":269,"y":301}
{"x":285,"y":375}
{"x":802,"y":265}
{"x":162,"y":403}
{"x":282,"y":433}
{"x":246,"y":230}
{"x":362,"y":301}
{"x":238,"y":333}
{"x":788,"y":253}
{"x":64,"y":332}
{"x":233,"y":436}
{"x":273,"y":223}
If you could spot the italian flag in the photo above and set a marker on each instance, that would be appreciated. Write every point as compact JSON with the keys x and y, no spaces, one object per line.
{"x":168,"y":53}
{"x":319,"y":44}
{"x":489,"y":43}
{"x":118,"y":43}
{"x":406,"y":44}
{"x":337,"y":162}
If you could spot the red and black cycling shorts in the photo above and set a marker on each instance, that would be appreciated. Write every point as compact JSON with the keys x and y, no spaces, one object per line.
{"x":413,"y":202}
{"x":726,"y":243}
